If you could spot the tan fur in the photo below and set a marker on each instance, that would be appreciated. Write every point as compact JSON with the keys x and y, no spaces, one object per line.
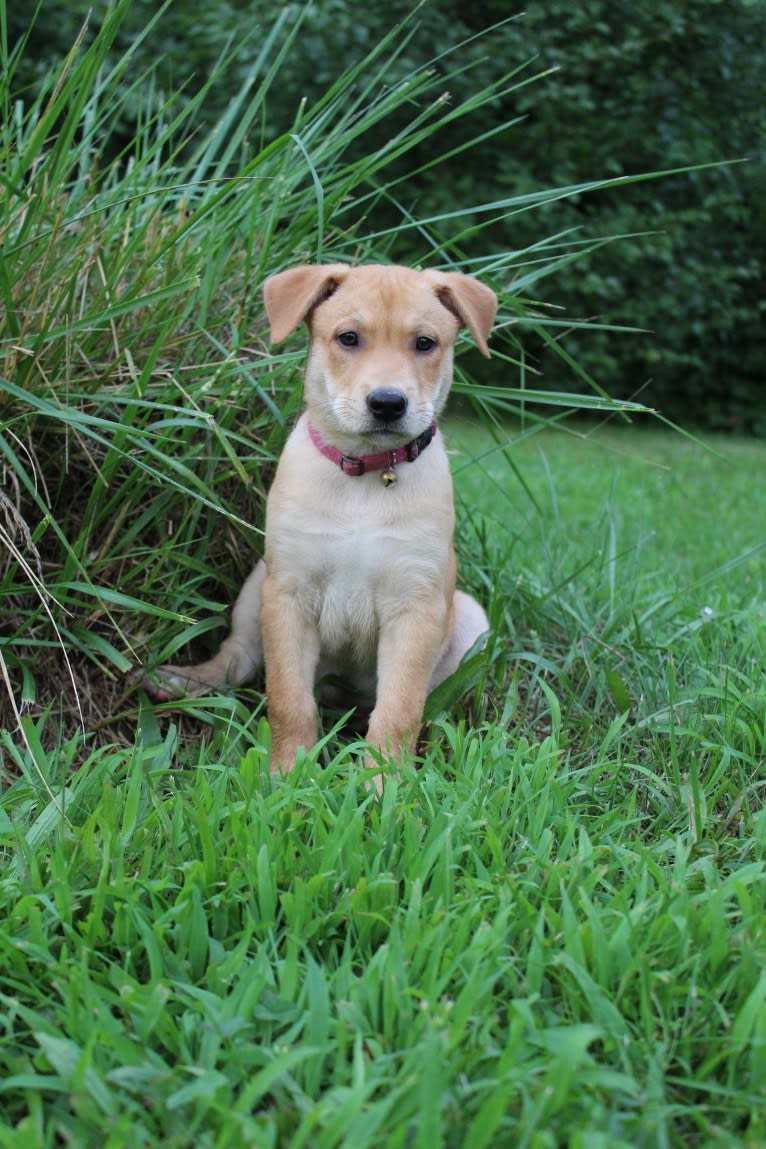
{"x":357,"y":579}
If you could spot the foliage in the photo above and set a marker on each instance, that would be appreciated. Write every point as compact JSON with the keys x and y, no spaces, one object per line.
{"x":653,"y":87}
{"x":141,"y":412}
{"x":630,"y":89}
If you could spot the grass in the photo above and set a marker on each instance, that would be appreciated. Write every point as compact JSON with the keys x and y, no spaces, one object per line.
{"x":550,"y":931}
{"x":142,"y":413}
{"x":657,"y":492}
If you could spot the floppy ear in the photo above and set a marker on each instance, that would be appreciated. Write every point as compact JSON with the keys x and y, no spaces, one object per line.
{"x":474,"y":304}
{"x":290,"y":295}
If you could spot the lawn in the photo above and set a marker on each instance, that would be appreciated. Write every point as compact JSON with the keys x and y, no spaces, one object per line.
{"x":683,"y":511}
{"x":550,"y":931}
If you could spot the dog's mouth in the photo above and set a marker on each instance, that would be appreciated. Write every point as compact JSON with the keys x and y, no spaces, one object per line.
{"x":391,"y":434}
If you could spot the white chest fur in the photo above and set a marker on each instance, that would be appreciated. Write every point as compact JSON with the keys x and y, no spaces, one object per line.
{"x":354,"y":553}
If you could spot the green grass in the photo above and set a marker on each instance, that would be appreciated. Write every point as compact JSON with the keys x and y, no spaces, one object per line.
{"x":549,"y":933}
{"x":660,"y":494}
{"x":550,"y":930}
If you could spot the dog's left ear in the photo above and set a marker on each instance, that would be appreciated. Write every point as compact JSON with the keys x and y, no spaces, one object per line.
{"x":474,"y":304}
{"x":291,"y":295}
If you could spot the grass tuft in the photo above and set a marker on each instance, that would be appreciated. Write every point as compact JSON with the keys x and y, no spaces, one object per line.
{"x":142,"y":410}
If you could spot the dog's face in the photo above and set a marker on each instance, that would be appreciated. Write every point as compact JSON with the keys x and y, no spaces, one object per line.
{"x":380,"y":362}
{"x":379,"y":367}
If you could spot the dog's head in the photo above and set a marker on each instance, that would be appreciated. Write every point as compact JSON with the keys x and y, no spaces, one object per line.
{"x":380,"y":363}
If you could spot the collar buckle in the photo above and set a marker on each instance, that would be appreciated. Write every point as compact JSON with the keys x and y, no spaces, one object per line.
{"x":350,"y":465}
{"x":414,"y":448}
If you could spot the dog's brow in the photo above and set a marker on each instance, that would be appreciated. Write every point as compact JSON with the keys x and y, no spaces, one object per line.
{"x":351,"y":317}
{"x":422,"y":319}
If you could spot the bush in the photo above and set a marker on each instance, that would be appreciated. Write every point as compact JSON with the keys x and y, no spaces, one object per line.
{"x":141,"y":412}
{"x":630,"y":90}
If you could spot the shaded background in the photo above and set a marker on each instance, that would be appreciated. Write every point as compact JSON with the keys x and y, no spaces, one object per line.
{"x":630,"y":88}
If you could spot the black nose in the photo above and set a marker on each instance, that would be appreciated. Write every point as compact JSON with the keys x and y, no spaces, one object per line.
{"x":387,"y":404}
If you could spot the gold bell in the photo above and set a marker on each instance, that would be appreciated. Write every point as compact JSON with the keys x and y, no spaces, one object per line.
{"x":388,"y":477}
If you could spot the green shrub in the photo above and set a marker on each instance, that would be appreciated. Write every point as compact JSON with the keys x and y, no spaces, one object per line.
{"x":630,"y":90}
{"x":141,"y":412}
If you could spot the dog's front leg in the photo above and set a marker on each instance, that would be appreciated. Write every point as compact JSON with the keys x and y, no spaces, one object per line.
{"x":408,"y":649}
{"x":291,"y":653}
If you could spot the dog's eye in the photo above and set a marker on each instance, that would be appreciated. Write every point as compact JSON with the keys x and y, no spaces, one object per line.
{"x":348,"y":339}
{"x":424,"y":343}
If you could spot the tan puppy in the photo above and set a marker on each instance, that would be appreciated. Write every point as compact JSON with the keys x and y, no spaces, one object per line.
{"x":358,"y":576}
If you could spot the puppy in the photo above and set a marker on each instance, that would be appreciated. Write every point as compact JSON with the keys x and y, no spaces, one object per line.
{"x":358,"y":576}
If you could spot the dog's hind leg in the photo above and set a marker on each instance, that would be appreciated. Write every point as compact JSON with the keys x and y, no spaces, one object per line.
{"x":239,"y":656}
{"x":470,"y":623}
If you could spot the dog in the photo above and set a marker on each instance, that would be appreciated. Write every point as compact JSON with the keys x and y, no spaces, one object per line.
{"x":357,"y":580}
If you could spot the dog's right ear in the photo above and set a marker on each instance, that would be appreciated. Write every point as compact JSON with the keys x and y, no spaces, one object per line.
{"x":290,"y":296}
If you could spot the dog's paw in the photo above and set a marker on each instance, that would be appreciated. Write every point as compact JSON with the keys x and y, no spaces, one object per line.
{"x":165,"y":683}
{"x":374,"y":778}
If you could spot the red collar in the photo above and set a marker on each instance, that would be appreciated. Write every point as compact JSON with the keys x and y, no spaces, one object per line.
{"x":360,"y":465}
